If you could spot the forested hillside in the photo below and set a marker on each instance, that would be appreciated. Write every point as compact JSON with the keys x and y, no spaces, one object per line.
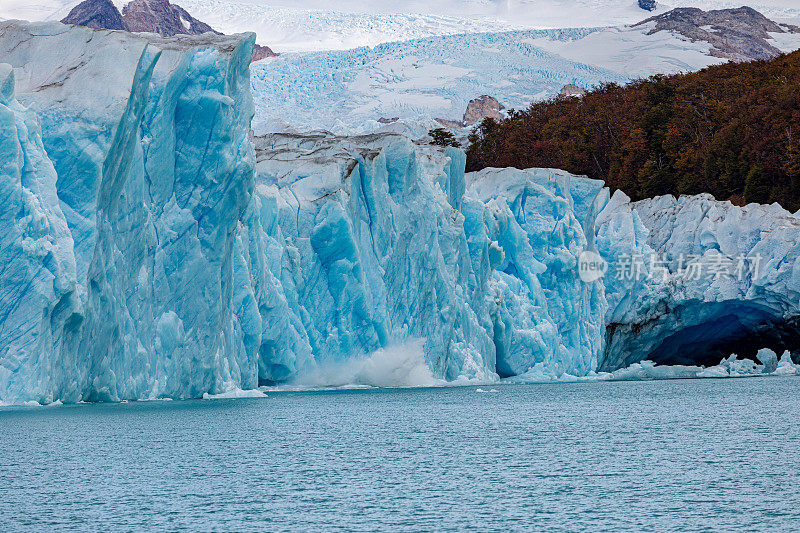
{"x":731,"y":130}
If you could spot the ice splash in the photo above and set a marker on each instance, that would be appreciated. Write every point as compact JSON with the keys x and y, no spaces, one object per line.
{"x":399,"y":365}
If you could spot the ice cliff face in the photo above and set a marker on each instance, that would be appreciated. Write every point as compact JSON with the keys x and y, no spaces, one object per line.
{"x":38,"y":282}
{"x":152,"y":254}
{"x":151,"y":247}
{"x":119,"y":276}
{"x":715,"y":279}
{"x":351,"y":245}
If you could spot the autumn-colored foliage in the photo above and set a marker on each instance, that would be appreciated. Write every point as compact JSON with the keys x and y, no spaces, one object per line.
{"x":731,"y":130}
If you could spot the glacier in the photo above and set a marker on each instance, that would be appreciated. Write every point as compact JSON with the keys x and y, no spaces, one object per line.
{"x":153,"y":247}
{"x":717,"y":279}
{"x":134,"y":221}
{"x":347,"y":91}
{"x":419,"y":80}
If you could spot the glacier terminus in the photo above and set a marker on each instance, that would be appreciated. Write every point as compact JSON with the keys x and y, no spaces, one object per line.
{"x":153,"y":247}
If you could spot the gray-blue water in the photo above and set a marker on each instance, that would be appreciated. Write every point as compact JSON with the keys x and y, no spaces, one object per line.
{"x":709,"y":455}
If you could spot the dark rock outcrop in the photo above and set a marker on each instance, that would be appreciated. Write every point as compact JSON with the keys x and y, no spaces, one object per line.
{"x":572,"y":90}
{"x":477,"y":110}
{"x":150,"y":16}
{"x":648,"y":5}
{"x":740,"y":34}
{"x":163,"y":18}
{"x":481,"y":108}
{"x":97,"y":14}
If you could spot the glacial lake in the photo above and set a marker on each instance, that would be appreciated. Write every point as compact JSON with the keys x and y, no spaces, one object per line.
{"x":715,"y":455}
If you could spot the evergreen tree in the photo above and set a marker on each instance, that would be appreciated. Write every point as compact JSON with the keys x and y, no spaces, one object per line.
{"x":442,"y":137}
{"x":757,"y":188}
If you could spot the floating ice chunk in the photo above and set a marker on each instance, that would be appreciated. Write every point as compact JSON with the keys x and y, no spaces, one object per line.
{"x":718,"y":371}
{"x":235,"y":393}
{"x":786,"y":366}
{"x":740,"y":367}
{"x":769,"y":359}
{"x":647,"y":370}
{"x":539,"y":373}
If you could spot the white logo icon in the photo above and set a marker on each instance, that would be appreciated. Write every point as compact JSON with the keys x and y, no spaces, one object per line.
{"x":591,"y":266}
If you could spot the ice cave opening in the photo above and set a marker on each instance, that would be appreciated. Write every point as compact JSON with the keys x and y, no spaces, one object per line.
{"x":702,"y":334}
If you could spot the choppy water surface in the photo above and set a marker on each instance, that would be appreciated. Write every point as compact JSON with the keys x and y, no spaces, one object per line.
{"x":693,"y":454}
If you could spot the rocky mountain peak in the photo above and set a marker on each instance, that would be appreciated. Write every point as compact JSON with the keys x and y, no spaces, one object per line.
{"x":159,"y":16}
{"x":150,"y":16}
{"x":98,"y":14}
{"x":262,"y":52}
{"x":741,"y":34}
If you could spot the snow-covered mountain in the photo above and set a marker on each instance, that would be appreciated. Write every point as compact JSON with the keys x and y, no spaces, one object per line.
{"x":741,"y":34}
{"x":145,"y":16}
{"x":308,"y":25}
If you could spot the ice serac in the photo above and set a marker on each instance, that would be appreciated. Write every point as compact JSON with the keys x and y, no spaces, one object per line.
{"x":366,"y":251}
{"x":357,"y":244}
{"x":135,"y":221}
{"x":38,"y":281}
{"x":538,"y":222}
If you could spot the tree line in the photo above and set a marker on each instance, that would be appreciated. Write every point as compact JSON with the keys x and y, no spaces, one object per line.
{"x":732,"y":130}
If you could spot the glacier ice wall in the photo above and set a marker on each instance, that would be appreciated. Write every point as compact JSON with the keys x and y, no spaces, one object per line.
{"x":152,"y":247}
{"x":538,"y":222}
{"x":372,"y":240}
{"x":716,"y":279}
{"x":37,"y":262}
{"x":152,"y":166}
{"x":170,"y":257}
